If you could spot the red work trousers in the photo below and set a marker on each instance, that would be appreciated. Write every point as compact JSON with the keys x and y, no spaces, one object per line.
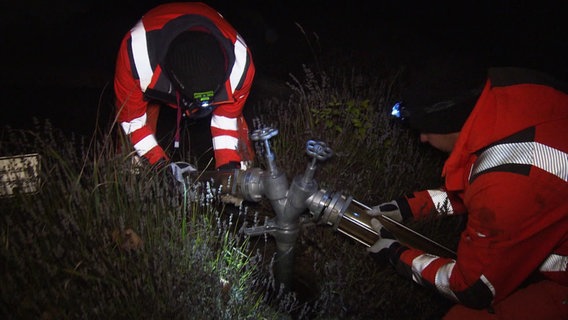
{"x":541,"y":300}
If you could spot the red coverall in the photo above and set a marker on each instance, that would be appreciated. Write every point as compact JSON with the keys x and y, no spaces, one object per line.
{"x":509,"y":171}
{"x":139,"y":80}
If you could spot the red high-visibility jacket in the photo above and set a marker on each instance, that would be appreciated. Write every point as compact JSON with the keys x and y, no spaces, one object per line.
{"x":509,"y":171}
{"x":139,"y":79}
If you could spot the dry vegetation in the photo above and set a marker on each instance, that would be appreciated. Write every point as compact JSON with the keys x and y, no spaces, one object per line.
{"x":100,"y":241}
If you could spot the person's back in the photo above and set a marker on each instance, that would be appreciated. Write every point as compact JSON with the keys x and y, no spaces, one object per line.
{"x":188,"y":57}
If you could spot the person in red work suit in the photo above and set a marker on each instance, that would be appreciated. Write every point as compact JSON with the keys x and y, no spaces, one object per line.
{"x":508,"y":170}
{"x":187,"y":56}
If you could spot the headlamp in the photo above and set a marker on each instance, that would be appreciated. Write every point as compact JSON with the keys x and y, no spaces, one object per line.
{"x":396,"y":110}
{"x":199,"y":106}
{"x":400,"y":112}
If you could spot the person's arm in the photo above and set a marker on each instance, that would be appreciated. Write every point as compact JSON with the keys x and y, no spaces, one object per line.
{"x":420,"y":204}
{"x":510,"y":232}
{"x":225,"y":135}
{"x":228,"y":128}
{"x":131,"y":110}
{"x":426,"y":202}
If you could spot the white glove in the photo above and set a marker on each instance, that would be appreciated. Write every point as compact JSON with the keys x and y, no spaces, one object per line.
{"x":382,"y":243}
{"x":179,"y":168}
{"x":389,"y":209}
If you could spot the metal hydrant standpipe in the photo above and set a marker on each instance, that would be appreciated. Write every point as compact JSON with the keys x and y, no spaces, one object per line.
{"x":289,"y":202}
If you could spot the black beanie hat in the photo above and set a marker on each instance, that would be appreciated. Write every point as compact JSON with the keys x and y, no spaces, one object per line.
{"x":440,"y":95}
{"x":195,"y":63}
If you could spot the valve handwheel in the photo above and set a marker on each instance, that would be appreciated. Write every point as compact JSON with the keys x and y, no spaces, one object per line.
{"x":318,"y":150}
{"x":263,"y":134}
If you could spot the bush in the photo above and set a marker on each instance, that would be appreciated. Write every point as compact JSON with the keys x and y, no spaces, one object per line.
{"x":374,"y":160}
{"x":105,"y":239}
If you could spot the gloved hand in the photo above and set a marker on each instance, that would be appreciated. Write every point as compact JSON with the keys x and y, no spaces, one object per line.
{"x":389,"y":209}
{"x":384,"y":249}
{"x":178,"y":169}
{"x":386,"y":238}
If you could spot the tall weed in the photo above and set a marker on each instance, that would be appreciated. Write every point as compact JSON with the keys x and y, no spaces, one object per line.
{"x":103,"y":239}
{"x":374,"y":160}
{"x":106,"y":239}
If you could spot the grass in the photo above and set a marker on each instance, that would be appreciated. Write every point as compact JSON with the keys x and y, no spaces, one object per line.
{"x":374,"y":160}
{"x":101,"y":241}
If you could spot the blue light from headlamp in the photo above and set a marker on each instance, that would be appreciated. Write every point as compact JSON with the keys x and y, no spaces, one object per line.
{"x":400,"y":112}
{"x":396,"y":111}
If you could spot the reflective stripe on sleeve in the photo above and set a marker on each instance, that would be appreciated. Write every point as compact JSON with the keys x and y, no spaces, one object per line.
{"x":488,"y":284}
{"x":225,"y":142}
{"x":224,"y":123}
{"x":441,"y":201}
{"x":145,"y":145}
{"x":419,"y":264}
{"x":442,"y":280}
{"x":554,"y":263}
{"x":134,"y":124}
{"x":240,"y":64}
{"x":140,"y":54}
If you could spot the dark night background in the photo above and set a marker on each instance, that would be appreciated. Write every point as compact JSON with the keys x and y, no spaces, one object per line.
{"x":59,"y":55}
